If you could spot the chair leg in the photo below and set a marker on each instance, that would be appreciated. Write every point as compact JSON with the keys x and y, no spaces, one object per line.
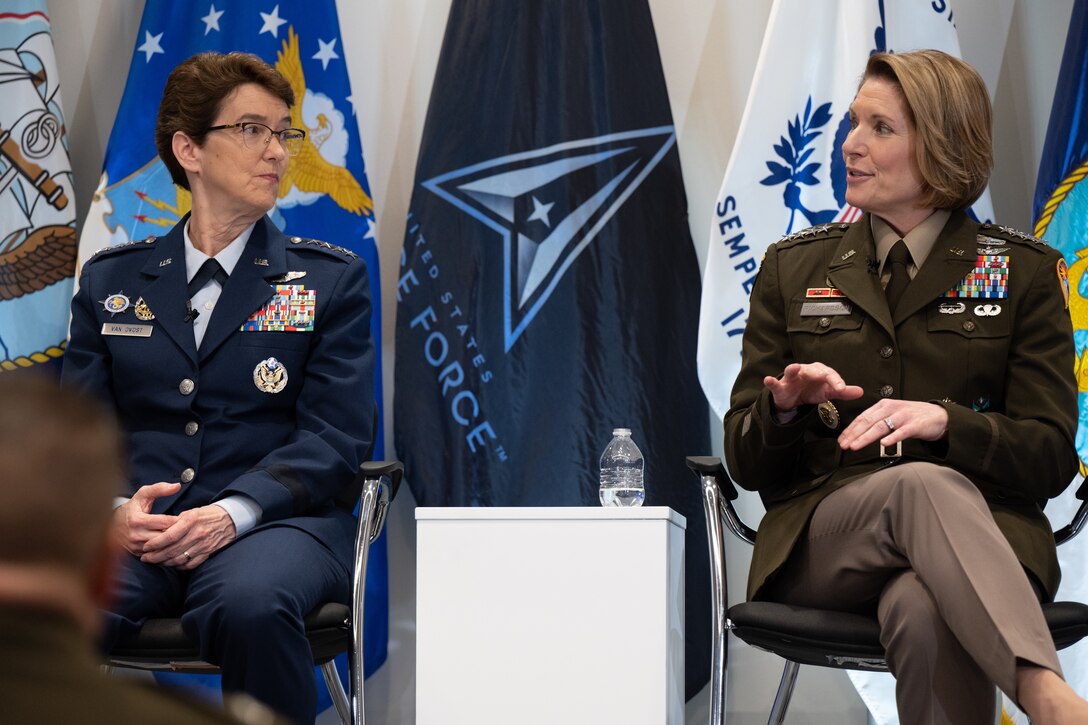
{"x":336,"y":691}
{"x":372,"y":505}
{"x":785,"y":692}
{"x":719,"y":601}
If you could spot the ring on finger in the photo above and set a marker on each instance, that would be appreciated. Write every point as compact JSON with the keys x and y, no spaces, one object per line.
{"x":187,"y":555}
{"x":888,"y":422}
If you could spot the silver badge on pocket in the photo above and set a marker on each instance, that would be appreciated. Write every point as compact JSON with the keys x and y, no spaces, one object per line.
{"x":270,"y":376}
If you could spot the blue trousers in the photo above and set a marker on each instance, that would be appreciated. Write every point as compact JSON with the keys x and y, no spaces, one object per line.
{"x":244,"y":608}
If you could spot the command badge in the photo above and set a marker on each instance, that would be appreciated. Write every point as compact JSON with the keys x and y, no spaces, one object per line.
{"x":116,"y":303}
{"x":270,"y":376}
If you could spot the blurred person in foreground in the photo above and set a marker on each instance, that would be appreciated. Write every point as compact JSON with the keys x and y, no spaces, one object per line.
{"x":60,"y":462}
{"x":906,"y":406}
{"x":240,"y":364}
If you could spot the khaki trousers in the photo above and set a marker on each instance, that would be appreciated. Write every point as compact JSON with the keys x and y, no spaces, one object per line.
{"x":916,"y":544}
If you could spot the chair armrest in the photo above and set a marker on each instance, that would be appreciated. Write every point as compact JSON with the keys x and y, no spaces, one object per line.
{"x":711,"y":472}
{"x":712,"y":466}
{"x":376,"y":469}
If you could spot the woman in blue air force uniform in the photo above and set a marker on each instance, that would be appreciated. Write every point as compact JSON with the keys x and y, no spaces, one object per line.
{"x":906,"y":405}
{"x":245,"y":390}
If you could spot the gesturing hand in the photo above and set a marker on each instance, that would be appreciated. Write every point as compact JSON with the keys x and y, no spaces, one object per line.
{"x":808,"y":384}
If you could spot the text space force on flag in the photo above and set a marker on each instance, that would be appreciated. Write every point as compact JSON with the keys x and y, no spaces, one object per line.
{"x":548,"y":285}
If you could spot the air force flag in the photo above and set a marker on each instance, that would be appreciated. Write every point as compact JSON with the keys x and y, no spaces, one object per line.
{"x":548,"y":285}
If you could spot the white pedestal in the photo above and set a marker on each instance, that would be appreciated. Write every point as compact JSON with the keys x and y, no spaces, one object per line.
{"x":549,"y":615}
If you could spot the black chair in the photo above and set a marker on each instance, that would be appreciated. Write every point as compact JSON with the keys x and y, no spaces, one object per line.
{"x":332,"y":628}
{"x":818,"y":637}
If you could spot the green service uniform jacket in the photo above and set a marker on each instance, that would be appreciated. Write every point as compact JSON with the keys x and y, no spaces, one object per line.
{"x":1002,"y":365}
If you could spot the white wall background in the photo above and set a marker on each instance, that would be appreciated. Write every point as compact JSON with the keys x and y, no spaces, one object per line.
{"x":708,"y":50}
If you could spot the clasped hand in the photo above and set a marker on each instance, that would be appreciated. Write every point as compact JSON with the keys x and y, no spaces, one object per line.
{"x":184,"y":541}
{"x":888,"y":421}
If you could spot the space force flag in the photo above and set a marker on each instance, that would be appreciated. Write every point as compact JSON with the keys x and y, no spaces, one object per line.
{"x":324,"y":193}
{"x":37,"y":206}
{"x":1061,"y":214}
{"x":548,"y":284}
{"x":786,"y":171}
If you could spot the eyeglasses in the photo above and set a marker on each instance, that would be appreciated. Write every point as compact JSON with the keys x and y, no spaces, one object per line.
{"x":257,"y":136}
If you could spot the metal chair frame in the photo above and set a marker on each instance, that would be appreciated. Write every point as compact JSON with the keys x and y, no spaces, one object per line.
{"x":719,"y":493}
{"x":332,"y":628}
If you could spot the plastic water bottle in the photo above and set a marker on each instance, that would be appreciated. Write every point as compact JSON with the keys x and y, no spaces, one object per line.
{"x":621,"y":471}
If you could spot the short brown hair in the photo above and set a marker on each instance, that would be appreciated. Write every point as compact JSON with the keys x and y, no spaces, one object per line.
{"x":195,"y":92}
{"x":60,"y":467}
{"x":949,"y":106}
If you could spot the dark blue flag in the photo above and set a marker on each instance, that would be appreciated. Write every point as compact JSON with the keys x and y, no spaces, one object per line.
{"x":549,"y":290}
{"x":323,"y":195}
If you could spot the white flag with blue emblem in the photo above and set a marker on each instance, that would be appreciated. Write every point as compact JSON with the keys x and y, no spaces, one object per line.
{"x":786,"y":172}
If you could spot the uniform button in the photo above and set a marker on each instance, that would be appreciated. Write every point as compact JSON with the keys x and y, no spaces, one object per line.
{"x":887,"y":391}
{"x":188,"y":475}
{"x":208,"y":305}
{"x":191,"y":428}
{"x":186,"y":386}
{"x":887,"y":351}
{"x":825,"y":322}
{"x":969,"y":325}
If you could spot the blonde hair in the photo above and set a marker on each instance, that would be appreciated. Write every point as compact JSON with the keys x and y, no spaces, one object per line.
{"x":949,"y":106}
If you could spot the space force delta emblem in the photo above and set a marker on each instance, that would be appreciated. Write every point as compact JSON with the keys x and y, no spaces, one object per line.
{"x":547,"y":205}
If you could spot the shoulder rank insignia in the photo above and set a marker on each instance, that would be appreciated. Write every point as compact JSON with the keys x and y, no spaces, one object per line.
{"x":123,"y":245}
{"x":324,"y":245}
{"x":989,"y":279}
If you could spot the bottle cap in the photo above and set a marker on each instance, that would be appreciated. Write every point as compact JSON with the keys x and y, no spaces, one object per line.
{"x":621,"y":431}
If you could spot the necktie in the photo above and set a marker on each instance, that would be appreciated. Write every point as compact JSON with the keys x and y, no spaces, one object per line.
{"x":208,"y":271}
{"x":898,"y":260}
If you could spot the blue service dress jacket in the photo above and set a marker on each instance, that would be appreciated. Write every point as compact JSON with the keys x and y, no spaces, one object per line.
{"x":277,"y":403}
